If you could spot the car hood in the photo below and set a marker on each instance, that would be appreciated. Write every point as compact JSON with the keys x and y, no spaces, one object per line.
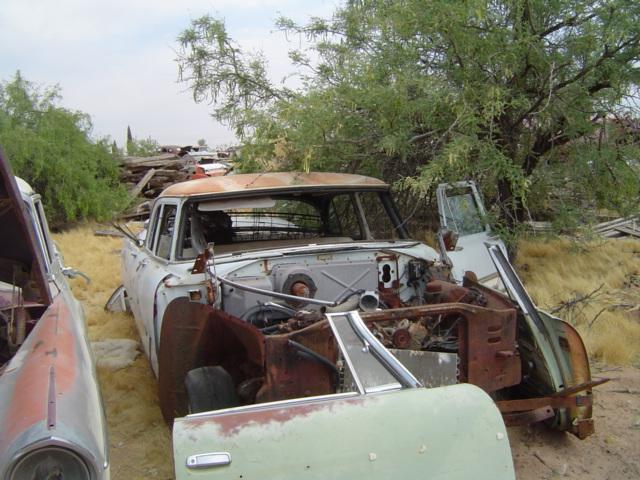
{"x":21,"y":255}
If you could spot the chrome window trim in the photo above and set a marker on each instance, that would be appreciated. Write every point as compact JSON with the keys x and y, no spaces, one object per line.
{"x":395,"y":367}
{"x":268,"y":405}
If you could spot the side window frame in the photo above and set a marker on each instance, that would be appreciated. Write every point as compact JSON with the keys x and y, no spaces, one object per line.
{"x":34,"y":205}
{"x":153,"y":222}
{"x":159,"y":224}
{"x":44,"y":226}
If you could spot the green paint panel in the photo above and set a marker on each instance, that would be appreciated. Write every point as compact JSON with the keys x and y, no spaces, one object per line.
{"x":452,"y":432}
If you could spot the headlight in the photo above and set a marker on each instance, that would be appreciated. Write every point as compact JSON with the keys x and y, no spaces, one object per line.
{"x":50,"y":463}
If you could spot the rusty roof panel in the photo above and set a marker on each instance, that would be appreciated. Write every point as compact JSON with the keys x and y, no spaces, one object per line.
{"x":268,"y":181}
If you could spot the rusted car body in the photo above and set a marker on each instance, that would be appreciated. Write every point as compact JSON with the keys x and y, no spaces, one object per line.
{"x":379,"y":423}
{"x":51,"y":417}
{"x":233,"y":282}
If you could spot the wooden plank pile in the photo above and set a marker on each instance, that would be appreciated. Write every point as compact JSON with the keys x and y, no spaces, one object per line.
{"x":620,"y":227}
{"x":617,"y":228}
{"x":148,"y":176}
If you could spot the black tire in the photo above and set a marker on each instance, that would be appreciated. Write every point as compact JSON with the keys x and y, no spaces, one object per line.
{"x":210,"y":388}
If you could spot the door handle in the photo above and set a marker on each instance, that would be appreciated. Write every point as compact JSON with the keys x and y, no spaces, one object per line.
{"x":209,"y":460}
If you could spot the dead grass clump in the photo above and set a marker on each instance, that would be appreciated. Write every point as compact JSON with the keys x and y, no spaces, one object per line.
{"x":139,"y":439}
{"x":591,"y":285}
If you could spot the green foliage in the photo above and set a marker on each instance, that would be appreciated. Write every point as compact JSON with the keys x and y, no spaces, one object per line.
{"x":50,"y":148}
{"x":509,"y":93}
{"x":142,"y":148}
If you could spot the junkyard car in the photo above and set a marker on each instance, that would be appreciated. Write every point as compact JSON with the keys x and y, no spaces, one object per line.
{"x":235,"y":290}
{"x":51,"y":418}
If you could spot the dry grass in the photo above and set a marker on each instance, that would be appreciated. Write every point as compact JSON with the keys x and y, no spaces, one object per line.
{"x":139,"y":439}
{"x":598,"y":282}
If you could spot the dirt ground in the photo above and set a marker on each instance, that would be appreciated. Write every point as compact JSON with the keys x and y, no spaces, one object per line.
{"x":612,"y":453}
{"x":141,"y":443}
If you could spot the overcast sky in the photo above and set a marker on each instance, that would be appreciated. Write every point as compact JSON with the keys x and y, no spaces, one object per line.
{"x":115,"y":59}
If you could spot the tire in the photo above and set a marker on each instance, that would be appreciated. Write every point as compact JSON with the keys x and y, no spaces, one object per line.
{"x":210,"y":388}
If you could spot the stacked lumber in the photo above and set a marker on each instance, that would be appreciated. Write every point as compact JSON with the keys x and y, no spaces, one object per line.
{"x":148,"y":176}
{"x":620,"y":227}
{"x":538,"y":227}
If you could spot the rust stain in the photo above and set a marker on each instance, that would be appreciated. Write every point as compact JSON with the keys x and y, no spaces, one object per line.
{"x":230,"y":424}
{"x":266,"y":181}
{"x":28,"y":403}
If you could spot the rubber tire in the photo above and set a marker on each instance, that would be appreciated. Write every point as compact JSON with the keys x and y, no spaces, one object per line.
{"x":210,"y":388}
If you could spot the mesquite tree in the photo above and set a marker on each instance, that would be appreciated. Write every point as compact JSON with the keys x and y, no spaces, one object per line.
{"x":533,"y":98}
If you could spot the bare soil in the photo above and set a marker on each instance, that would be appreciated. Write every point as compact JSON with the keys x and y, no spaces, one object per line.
{"x":612,"y":453}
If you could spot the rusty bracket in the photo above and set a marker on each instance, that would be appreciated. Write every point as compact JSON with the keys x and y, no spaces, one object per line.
{"x":580,"y":387}
{"x":526,"y":404}
{"x":200,"y":263}
{"x":527,"y":418}
{"x":563,"y":399}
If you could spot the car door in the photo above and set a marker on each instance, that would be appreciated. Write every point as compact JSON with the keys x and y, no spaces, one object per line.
{"x":147,"y":272}
{"x":461,"y":211}
{"x":135,"y":254}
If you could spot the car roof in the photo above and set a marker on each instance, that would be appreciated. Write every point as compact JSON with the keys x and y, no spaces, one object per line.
{"x":289,"y":181}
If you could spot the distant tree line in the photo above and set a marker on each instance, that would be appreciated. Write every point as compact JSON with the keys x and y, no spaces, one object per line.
{"x":534,"y":99}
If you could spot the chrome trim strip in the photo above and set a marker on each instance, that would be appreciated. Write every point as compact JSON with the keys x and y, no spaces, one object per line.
{"x":397,"y":369}
{"x":384,"y":388}
{"x":51,"y":400}
{"x":354,"y":373}
{"x":268,"y":405}
{"x":515,"y":287}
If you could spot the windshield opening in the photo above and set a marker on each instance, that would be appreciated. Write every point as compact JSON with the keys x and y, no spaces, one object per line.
{"x":283,"y":220}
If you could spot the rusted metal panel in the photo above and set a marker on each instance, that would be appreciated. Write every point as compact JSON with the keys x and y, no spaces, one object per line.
{"x":581,"y":415}
{"x":195,"y":335}
{"x":491,"y":356}
{"x":290,"y":375}
{"x":488,"y":354}
{"x":528,"y":417}
{"x":49,"y":391}
{"x":270,"y":181}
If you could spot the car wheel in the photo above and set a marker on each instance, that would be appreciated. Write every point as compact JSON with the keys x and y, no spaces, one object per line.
{"x":210,"y":388}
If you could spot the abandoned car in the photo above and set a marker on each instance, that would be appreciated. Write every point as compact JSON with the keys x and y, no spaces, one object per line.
{"x":241,"y":285}
{"x":51,"y":417}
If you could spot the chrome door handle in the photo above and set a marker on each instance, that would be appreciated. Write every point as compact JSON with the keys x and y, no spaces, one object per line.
{"x":209,"y":460}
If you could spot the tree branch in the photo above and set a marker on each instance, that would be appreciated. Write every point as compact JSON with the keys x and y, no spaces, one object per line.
{"x":569,"y":22}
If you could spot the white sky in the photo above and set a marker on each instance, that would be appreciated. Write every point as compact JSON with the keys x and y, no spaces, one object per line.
{"x":115,"y":59}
